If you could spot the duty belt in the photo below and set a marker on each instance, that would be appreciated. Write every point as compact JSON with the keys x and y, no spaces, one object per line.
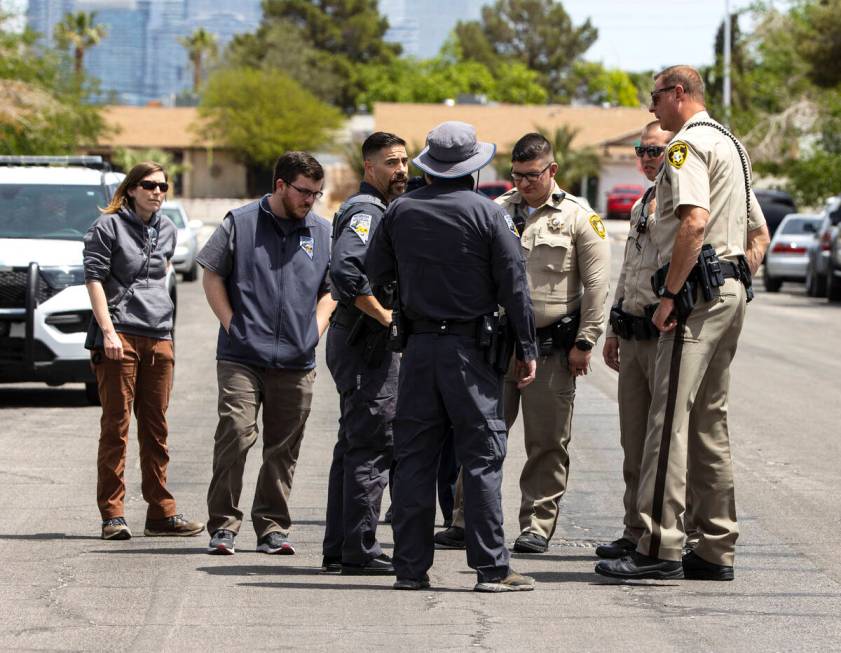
{"x":444,"y":327}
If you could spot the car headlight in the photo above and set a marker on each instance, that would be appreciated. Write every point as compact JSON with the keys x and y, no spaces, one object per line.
{"x":59,"y":278}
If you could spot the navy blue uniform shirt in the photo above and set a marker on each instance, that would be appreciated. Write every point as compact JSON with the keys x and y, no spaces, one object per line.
{"x":456,"y":256}
{"x":275,"y":270}
{"x":351,"y":235}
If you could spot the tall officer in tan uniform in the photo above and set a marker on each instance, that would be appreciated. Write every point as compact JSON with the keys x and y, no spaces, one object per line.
{"x":568,"y":268}
{"x":704,"y":198}
{"x":630,"y":324}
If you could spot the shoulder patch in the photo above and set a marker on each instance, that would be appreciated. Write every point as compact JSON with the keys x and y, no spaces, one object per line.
{"x":360,"y":224}
{"x":511,"y":226}
{"x":598,"y":226}
{"x":678,"y":153}
{"x":308,"y":245}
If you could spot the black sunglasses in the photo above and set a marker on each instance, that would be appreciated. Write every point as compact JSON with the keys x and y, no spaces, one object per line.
{"x":654,"y":94}
{"x":152,"y":185}
{"x":651,"y":150}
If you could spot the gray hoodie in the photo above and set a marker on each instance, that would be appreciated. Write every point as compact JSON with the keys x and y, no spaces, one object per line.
{"x":130,"y":259}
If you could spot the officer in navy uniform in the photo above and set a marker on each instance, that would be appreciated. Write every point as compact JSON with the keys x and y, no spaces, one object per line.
{"x":364,"y":371}
{"x":456,"y":257}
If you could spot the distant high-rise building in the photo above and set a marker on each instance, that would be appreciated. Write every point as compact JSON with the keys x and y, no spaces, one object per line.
{"x":422,"y":27}
{"x":141,"y":59}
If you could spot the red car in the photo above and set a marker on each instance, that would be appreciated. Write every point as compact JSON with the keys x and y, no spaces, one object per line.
{"x":621,"y":199}
{"x":494,"y":189}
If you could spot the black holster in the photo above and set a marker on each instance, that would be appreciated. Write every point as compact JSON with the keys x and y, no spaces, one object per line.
{"x":745,"y":276}
{"x":559,"y":335}
{"x":496,"y":337}
{"x":684,"y":298}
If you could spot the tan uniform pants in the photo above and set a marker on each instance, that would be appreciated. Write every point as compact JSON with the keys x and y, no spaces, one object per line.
{"x":636,"y":385}
{"x":547,"y":422}
{"x":687,"y":432}
{"x":285,"y":396}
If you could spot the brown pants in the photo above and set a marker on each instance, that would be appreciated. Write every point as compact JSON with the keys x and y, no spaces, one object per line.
{"x":141,"y":380}
{"x":286,"y":396}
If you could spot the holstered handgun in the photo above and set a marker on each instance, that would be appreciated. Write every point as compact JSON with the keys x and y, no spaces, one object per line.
{"x":684,"y":298}
{"x":745,"y":276}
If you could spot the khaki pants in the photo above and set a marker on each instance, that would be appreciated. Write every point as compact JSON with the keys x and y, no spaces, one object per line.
{"x":141,"y":381}
{"x":547,"y":405}
{"x":687,"y":432}
{"x":636,"y":383}
{"x":285,"y":396}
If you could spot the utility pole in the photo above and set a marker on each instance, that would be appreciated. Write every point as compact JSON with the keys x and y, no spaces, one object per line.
{"x":727,"y":45}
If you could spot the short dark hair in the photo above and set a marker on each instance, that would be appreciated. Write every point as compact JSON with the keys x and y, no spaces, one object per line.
{"x":379,"y":140}
{"x":292,"y":164}
{"x":530,"y":147}
{"x":686,"y":76}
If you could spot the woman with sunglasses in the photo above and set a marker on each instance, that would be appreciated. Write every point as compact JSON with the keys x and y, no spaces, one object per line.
{"x":126,"y":257}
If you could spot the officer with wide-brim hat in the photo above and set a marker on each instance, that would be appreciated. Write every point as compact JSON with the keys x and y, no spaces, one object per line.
{"x":455,"y":256}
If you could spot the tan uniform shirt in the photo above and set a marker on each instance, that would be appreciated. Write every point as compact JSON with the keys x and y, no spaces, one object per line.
{"x":567,"y":259}
{"x":703,"y":169}
{"x":639,"y":264}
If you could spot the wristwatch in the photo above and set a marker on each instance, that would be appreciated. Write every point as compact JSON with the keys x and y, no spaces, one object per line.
{"x":583,"y":345}
{"x":664,"y":292}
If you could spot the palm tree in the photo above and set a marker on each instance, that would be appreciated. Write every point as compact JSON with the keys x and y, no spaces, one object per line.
{"x":198,"y":44}
{"x":573,"y":165}
{"x":79,"y":31}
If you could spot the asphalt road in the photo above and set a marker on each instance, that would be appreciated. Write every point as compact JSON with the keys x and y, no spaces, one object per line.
{"x":62,"y":588}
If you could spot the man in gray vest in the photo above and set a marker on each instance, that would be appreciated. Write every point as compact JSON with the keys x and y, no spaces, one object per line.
{"x":364,"y":370}
{"x":266,"y":279}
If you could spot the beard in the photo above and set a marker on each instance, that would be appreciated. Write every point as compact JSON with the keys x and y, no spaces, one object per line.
{"x":293,"y":210}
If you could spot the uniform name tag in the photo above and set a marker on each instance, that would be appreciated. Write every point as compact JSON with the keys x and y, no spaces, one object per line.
{"x":308,"y":245}
{"x":360,"y":224}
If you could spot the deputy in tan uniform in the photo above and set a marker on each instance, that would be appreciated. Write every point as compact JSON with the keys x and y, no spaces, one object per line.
{"x":568,"y":268}
{"x":704,"y":199}
{"x":632,"y":335}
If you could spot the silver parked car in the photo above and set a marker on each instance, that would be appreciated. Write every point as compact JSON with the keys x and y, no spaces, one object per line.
{"x":788,"y":252}
{"x":818,"y":254}
{"x":186,"y":248}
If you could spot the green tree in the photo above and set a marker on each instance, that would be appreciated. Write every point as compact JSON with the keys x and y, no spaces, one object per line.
{"x":126,"y":158}
{"x":819,"y":40}
{"x":199,"y":44}
{"x":80,"y":31}
{"x":814,"y":177}
{"x":538,"y":33}
{"x":259,"y":114}
{"x":41,"y":104}
{"x":596,"y":84}
{"x":573,"y":164}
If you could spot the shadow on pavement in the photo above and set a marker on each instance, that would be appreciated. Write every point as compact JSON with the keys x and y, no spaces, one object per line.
{"x":551,"y":556}
{"x":173,"y":551}
{"x":43,"y":398}
{"x":341,"y":586}
{"x":260,"y":570}
{"x":564,"y":576}
{"x":47,"y":536}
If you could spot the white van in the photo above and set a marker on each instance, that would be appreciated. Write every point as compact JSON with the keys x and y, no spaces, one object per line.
{"x":47,"y":205}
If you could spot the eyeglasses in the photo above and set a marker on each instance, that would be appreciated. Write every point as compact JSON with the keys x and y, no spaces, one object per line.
{"x":654,"y":94}
{"x":307,"y":193}
{"x":152,"y":185}
{"x":517,"y":177}
{"x":651,"y":150}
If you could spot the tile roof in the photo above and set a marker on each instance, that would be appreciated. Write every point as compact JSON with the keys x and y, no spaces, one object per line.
{"x":503,"y":124}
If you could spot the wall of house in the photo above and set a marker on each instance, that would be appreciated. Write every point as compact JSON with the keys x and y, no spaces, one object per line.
{"x":213,"y":173}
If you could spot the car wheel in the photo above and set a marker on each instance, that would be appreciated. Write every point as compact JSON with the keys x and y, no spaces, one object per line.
{"x":193,"y":273}
{"x":833,"y":286}
{"x":92,"y":393}
{"x":772,"y":284}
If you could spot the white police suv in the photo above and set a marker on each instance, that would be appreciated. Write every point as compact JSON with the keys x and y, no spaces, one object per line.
{"x":46,"y":207}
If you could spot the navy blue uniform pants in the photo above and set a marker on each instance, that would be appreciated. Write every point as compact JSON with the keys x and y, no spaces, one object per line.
{"x":445,"y":382}
{"x":363,"y":452}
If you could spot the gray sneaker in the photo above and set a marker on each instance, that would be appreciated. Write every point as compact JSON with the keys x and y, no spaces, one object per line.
{"x":513,"y":582}
{"x":222,"y":542}
{"x":175,"y":526}
{"x":275,"y":542}
{"x":115,"y":529}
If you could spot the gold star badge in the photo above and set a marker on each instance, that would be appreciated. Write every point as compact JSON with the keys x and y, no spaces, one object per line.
{"x":678,"y":153}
